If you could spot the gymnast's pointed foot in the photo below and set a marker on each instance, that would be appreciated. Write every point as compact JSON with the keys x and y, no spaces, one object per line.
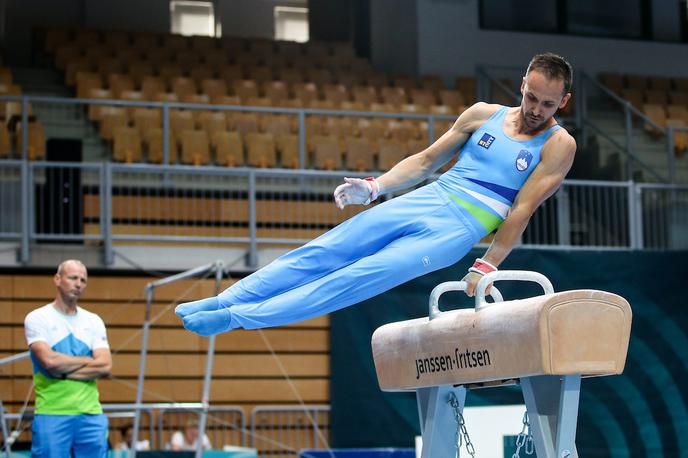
{"x":209,"y":323}
{"x":209,"y":304}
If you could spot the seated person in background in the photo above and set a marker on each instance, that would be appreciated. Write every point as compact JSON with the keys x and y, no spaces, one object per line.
{"x":187,"y":440}
{"x":127,"y":432}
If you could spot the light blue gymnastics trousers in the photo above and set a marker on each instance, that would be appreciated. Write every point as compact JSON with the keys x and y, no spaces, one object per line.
{"x":376,"y":250}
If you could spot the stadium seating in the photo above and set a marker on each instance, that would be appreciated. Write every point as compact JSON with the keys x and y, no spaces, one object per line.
{"x":232,"y":71}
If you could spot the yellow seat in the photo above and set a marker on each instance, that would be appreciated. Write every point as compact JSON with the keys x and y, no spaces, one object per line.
{"x":260,"y":150}
{"x":229,"y":148}
{"x":359,"y":155}
{"x":195,"y":147}
{"x":36,"y":145}
{"x":126,"y":145}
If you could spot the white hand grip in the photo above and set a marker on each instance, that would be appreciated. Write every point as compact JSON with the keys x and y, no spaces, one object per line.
{"x":522,"y":275}
{"x":442,"y":288}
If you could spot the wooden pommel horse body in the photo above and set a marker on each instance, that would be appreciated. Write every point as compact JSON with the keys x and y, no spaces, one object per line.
{"x":546,"y":343}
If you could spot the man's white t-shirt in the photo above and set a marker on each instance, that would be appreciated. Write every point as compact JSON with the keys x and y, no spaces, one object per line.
{"x":73,"y":335}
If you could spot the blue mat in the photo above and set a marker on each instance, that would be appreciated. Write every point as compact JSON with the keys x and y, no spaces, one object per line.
{"x":360,"y":453}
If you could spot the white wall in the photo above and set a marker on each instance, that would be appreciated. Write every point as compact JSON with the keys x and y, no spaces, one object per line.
{"x":451,"y":43}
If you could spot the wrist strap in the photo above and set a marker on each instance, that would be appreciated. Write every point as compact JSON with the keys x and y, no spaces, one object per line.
{"x":374,"y":188}
{"x":482,"y":267}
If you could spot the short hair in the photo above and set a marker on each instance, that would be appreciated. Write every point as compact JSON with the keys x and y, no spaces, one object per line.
{"x":60,"y":268}
{"x":553,"y":67}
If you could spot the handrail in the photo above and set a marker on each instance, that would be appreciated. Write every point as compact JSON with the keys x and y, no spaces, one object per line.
{"x":622,"y":101}
{"x":498,"y":83}
{"x":214,"y":107}
{"x":622,"y":148}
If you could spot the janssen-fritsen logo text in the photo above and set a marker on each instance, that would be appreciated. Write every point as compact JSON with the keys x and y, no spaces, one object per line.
{"x":461,"y":359}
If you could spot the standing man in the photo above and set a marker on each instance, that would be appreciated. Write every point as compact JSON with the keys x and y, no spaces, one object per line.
{"x":69,"y":350}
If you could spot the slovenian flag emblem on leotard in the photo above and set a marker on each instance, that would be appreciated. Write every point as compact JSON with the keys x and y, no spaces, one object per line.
{"x":486,"y":140}
{"x":523,"y":160}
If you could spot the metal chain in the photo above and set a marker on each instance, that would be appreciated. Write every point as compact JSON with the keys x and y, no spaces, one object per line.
{"x":525,"y":438}
{"x":460,"y":427}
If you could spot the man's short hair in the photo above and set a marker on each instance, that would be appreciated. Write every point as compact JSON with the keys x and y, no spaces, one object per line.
{"x":60,"y":268}
{"x":554,"y":67}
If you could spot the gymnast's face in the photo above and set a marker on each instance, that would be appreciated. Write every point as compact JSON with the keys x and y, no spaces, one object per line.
{"x":542,"y":97}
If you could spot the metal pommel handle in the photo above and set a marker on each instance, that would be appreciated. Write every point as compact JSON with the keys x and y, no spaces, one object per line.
{"x":521,"y":275}
{"x":434,"y":309}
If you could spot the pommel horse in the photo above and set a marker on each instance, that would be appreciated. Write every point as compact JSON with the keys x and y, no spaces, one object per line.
{"x":546,"y":343}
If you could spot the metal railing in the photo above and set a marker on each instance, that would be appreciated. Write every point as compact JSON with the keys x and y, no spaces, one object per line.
{"x":274,"y":430}
{"x":61,"y":103}
{"x":283,"y":431}
{"x":227,"y":426}
{"x":252,"y":208}
{"x":589,"y":87}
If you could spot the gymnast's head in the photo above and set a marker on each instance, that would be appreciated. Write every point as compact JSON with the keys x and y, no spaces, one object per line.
{"x":546,"y":88}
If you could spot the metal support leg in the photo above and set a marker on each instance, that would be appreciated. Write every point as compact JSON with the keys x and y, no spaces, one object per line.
{"x":437,"y":422}
{"x":5,"y":432}
{"x":552,"y":404}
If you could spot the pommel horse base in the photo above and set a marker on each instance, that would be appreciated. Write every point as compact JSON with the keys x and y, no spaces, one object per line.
{"x":546,"y":343}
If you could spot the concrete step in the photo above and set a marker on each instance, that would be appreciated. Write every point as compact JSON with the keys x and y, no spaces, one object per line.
{"x":61,"y":121}
{"x":41,"y":81}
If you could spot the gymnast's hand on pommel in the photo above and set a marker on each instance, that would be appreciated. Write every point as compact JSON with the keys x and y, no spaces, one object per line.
{"x":472,"y":279}
{"x":355,"y":191}
{"x":475,"y":274}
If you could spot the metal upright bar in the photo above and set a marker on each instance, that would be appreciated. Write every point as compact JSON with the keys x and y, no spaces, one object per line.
{"x":252,"y":224}
{"x":431,"y":130}
{"x":636,"y":201}
{"x":302,"y":140}
{"x":142,"y":369}
{"x":438,"y":419}
{"x":165,"y":134}
{"x":632,"y":228}
{"x":671,"y":162}
{"x":563,"y":216}
{"x":568,"y":415}
{"x":106,"y":218}
{"x":5,"y":432}
{"x":26,"y":211}
{"x":207,"y":379}
{"x":25,"y":128}
{"x":629,"y":138}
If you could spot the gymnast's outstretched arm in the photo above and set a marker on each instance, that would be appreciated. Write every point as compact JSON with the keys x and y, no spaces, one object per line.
{"x":557,"y":158}
{"x":419,"y":166}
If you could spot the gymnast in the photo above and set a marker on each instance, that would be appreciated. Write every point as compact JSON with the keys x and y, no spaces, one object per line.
{"x":510,"y":160}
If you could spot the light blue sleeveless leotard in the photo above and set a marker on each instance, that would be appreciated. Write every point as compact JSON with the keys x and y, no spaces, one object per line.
{"x":427,"y":229}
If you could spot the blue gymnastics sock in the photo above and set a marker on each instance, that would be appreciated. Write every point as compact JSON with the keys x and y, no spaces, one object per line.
{"x":209,"y":323}
{"x":204,"y":305}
